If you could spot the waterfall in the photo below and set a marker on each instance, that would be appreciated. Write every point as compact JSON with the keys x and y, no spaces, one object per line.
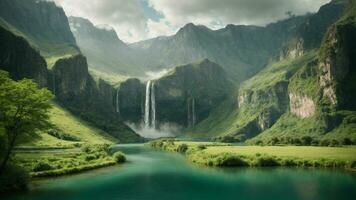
{"x":117,"y":101}
{"x":150,"y":105}
{"x":153,"y":105}
{"x":147,"y":104}
{"x":191,"y":112}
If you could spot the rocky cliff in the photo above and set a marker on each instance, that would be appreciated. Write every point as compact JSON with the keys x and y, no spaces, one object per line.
{"x":42,"y":23}
{"x":20,"y":59}
{"x":310,"y":33}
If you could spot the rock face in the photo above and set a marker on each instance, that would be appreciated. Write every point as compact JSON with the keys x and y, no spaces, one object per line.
{"x":190,"y":89}
{"x":310,"y":34}
{"x":41,"y":22}
{"x":302,"y":106}
{"x":337,"y":66}
{"x":71,"y":76}
{"x":130,"y":100}
{"x":20,"y":59}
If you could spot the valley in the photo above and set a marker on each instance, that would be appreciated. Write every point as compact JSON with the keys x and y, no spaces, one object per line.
{"x":78,"y":102}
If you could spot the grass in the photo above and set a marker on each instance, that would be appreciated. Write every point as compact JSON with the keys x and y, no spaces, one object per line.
{"x":67,"y":123}
{"x":225,"y":155}
{"x":63,"y":162}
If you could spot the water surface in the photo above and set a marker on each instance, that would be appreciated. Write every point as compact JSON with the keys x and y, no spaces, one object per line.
{"x":151,"y":174}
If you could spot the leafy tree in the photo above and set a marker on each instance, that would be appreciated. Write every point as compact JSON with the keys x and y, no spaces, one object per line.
{"x":23,"y":110}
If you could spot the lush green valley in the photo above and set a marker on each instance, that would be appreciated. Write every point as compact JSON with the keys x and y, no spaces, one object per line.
{"x":74,"y":96}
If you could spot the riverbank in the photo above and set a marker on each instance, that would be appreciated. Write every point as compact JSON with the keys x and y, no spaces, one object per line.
{"x":227,"y":155}
{"x":59,"y":162}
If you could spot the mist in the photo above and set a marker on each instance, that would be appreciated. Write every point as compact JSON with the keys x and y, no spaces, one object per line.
{"x":165,"y":130}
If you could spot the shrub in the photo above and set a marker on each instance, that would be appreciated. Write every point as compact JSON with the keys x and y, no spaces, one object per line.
{"x":266,"y":161}
{"x":182,"y":148}
{"x":324,"y":142}
{"x":90,"y":157}
{"x":306,"y":140}
{"x":229,"y":160}
{"x":274,"y":141}
{"x":346,"y":141}
{"x":201,"y":147}
{"x":41,"y":166}
{"x":334,"y":143}
{"x":119,"y":157}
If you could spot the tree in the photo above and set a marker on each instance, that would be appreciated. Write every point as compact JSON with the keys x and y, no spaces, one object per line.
{"x":23,"y":110}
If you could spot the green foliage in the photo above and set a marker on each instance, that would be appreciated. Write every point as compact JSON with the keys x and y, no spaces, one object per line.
{"x":41,"y":166}
{"x":23,"y":110}
{"x":119,"y":157}
{"x":182,"y":148}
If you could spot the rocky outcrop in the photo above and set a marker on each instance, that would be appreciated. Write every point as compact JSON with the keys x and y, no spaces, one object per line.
{"x":310,"y":34}
{"x":337,"y":66}
{"x":20,"y":59}
{"x":71,"y":77}
{"x":130,"y":100}
{"x":302,"y":106}
{"x":76,"y":90}
{"x":42,"y":23}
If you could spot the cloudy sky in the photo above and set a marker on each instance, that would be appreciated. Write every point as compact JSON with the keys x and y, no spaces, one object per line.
{"x":136,"y":20}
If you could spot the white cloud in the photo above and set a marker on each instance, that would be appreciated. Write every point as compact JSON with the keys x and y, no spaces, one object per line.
{"x":129,"y":19}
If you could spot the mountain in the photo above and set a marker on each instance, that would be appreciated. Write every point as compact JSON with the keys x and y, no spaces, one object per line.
{"x":104,"y":50}
{"x":184,"y":96}
{"x":308,"y":94}
{"x":240,"y":50}
{"x":42,"y":23}
{"x":68,"y":78}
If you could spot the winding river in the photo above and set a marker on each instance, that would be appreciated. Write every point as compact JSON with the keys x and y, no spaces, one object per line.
{"x":151,"y":175}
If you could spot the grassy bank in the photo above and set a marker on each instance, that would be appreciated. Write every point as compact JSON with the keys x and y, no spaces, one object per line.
{"x":59,"y":162}
{"x":225,"y":155}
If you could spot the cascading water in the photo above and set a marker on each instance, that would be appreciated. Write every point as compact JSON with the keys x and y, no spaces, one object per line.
{"x":191,"y":112}
{"x":147,"y":104}
{"x":117,"y":101}
{"x":153,"y":105}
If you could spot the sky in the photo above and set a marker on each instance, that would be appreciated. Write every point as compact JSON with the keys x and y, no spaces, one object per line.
{"x":136,"y":20}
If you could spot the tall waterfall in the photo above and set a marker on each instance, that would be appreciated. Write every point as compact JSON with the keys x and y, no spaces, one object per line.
{"x":150,"y":105}
{"x":191,"y":112}
{"x":117,"y":101}
{"x":153,"y":105}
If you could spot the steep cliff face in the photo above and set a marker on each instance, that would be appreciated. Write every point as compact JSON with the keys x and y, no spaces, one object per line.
{"x":310,"y":34}
{"x":71,"y":77}
{"x":337,"y":66}
{"x":42,"y":23}
{"x":77,"y":91}
{"x":191,"y":89}
{"x":20,"y":59}
{"x":129,"y":101}
{"x":302,"y":106}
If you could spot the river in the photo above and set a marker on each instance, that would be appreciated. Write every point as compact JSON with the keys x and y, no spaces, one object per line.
{"x":152,"y":175}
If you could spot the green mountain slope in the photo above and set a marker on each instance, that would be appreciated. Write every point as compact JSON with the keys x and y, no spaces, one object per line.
{"x":42,"y":23}
{"x":69,"y":130}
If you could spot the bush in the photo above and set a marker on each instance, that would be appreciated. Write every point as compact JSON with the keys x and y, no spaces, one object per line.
{"x":266,"y":161}
{"x":334,"y":143}
{"x":306,"y":140}
{"x":346,"y":141}
{"x":182,"y":148}
{"x":41,"y":166}
{"x":201,"y":147}
{"x":228,"y":160}
{"x":119,"y":157}
{"x":324,"y":142}
{"x":90,"y":157}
